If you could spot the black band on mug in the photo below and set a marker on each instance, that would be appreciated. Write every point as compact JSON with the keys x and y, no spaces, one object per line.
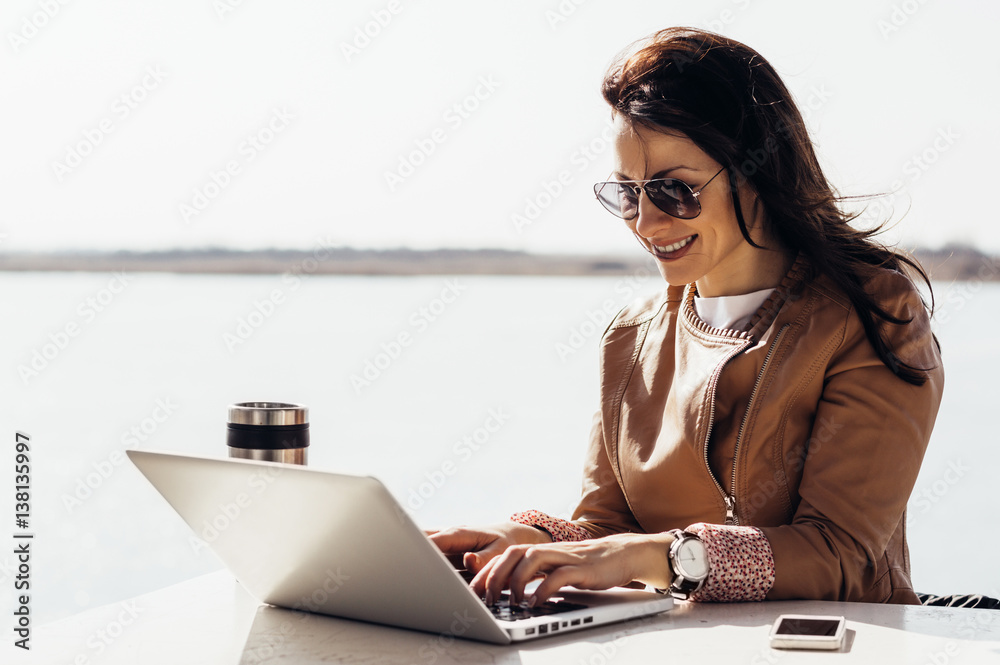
{"x":267,"y":437}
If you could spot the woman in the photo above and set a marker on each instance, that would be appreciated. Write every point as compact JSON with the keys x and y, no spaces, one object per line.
{"x":762,"y":421}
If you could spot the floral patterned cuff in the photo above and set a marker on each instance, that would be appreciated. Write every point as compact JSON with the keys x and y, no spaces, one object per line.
{"x":741,"y":566}
{"x":558,"y":529}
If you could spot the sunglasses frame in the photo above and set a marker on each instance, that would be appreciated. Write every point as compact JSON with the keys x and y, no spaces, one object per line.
{"x":638,"y":187}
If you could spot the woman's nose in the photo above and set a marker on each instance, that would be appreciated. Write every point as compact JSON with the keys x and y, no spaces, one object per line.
{"x":650,"y":220}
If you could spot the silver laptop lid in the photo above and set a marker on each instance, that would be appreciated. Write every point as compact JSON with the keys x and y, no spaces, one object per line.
{"x":319,"y":541}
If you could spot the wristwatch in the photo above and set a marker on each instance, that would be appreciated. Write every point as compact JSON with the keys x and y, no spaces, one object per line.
{"x":689,"y":562}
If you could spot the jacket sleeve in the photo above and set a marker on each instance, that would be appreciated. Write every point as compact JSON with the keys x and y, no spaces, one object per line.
{"x":603,"y":509}
{"x":861,"y":461}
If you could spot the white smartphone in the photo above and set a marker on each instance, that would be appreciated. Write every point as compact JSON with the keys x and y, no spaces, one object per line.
{"x":803,"y":631}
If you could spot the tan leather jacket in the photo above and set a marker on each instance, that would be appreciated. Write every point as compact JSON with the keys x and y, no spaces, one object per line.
{"x":794,"y":426}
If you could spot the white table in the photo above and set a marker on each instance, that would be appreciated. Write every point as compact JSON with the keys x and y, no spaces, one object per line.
{"x":211,"y":619}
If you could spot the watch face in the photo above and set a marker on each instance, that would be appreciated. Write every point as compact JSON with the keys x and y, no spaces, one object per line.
{"x":692,"y":559}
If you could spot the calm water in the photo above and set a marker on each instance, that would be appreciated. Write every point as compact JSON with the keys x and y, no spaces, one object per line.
{"x":400,"y":374}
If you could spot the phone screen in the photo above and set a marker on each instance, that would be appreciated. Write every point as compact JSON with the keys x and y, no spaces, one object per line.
{"x":822,"y":627}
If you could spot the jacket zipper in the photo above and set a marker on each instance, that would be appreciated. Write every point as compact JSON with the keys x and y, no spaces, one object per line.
{"x":732,"y":518}
{"x":730,"y":502}
{"x":743,"y":424}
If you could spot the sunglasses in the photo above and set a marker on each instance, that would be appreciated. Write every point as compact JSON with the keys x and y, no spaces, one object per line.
{"x":672,"y":196}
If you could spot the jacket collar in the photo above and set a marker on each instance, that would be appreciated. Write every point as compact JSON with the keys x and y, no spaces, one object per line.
{"x":790,"y":287}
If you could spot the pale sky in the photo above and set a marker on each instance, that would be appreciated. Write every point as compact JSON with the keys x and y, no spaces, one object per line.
{"x":256,"y":123}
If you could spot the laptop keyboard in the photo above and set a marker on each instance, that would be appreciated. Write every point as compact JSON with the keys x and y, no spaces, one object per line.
{"x":505,"y":611}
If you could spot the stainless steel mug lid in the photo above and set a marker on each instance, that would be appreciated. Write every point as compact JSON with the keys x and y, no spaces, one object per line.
{"x":268,"y":413}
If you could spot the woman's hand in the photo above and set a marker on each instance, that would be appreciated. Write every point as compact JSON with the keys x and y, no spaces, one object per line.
{"x":600,"y":563}
{"x":479,"y":545}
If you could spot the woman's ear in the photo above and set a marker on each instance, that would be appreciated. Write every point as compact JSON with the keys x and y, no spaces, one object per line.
{"x":748,"y":208}
{"x":751,"y":201}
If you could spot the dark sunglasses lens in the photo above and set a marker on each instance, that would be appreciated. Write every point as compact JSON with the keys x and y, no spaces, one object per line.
{"x":674,"y":198}
{"x":620,"y":201}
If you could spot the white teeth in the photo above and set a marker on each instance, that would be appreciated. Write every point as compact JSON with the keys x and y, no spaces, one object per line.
{"x":666,"y":249}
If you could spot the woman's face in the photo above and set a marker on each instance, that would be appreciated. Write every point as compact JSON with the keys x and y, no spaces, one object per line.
{"x":709,"y":249}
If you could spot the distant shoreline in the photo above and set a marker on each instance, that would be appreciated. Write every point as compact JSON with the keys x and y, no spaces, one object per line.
{"x":947,"y":264}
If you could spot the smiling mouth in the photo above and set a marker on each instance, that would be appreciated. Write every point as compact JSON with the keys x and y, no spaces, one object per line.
{"x":674,"y":250}
{"x":680,"y":244}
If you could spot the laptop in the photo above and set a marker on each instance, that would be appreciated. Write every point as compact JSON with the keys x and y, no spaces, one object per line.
{"x":341,"y":545}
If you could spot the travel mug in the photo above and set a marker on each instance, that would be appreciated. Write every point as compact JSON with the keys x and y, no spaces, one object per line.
{"x":270,"y":431}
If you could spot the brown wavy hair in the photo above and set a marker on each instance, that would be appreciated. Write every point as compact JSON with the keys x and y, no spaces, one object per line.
{"x":730,"y":101}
